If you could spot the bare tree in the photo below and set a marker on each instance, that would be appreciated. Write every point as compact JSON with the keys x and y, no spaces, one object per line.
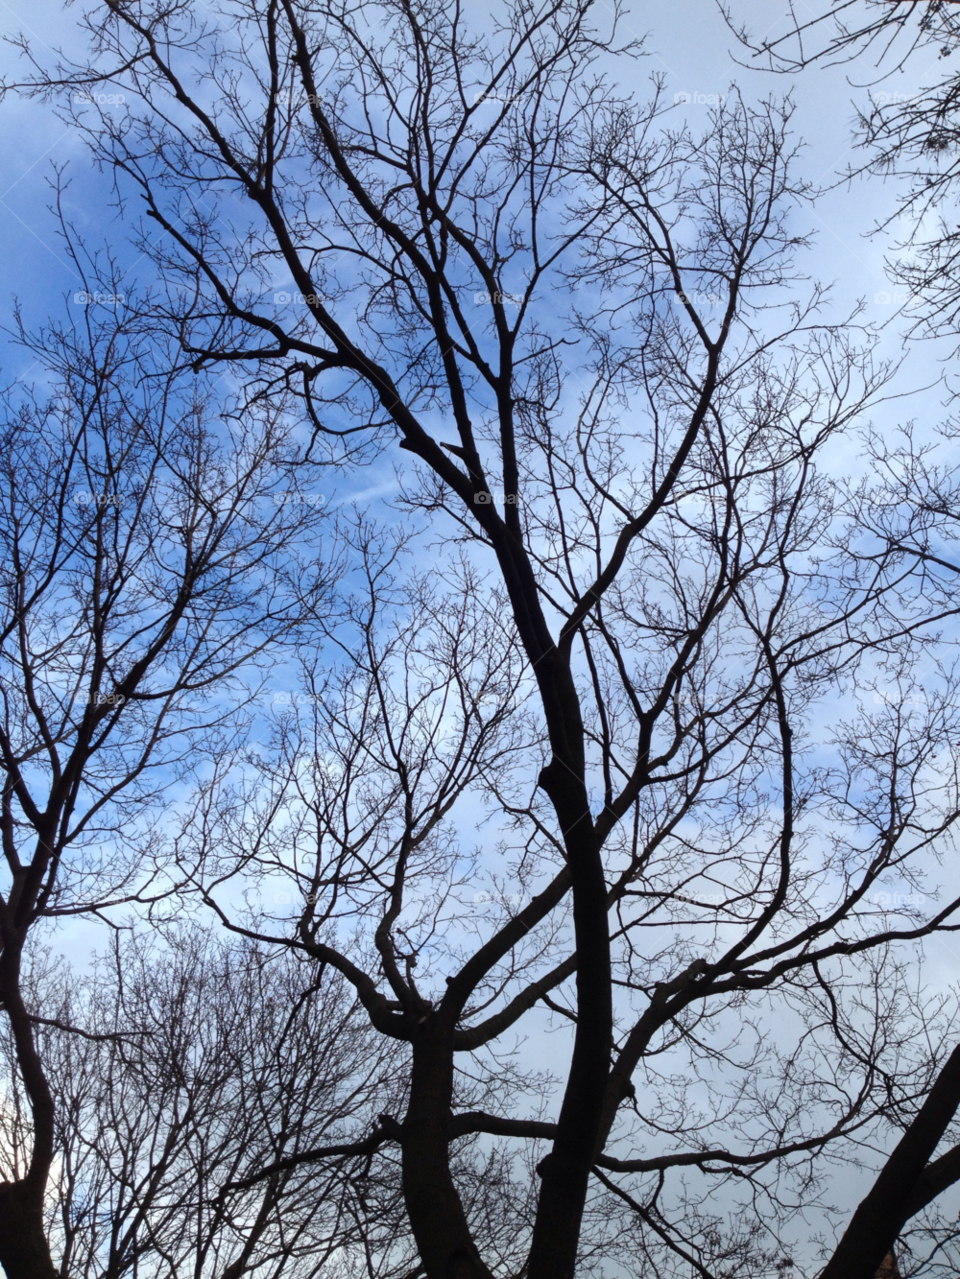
{"x":638,"y":655}
{"x":179,"y":1068}
{"x":144,"y":571}
{"x":908,"y":509}
{"x":888,"y":31}
{"x":910,"y":137}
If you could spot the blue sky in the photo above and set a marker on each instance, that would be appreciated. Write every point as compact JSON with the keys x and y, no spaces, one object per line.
{"x":688,"y":43}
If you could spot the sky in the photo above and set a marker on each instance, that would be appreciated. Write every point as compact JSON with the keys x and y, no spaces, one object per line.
{"x":687,"y":42}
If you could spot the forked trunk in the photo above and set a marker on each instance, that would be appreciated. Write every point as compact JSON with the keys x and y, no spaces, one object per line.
{"x":434,"y":1207}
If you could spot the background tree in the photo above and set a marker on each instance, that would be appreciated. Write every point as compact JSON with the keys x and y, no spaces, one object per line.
{"x":910,"y":137}
{"x":908,"y":509}
{"x":145,"y":570}
{"x":177,"y":1069}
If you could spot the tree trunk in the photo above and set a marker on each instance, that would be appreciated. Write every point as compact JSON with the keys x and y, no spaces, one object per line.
{"x":24,"y":1252}
{"x":434,"y":1207}
{"x":566,"y":1170}
{"x":881,"y":1216}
